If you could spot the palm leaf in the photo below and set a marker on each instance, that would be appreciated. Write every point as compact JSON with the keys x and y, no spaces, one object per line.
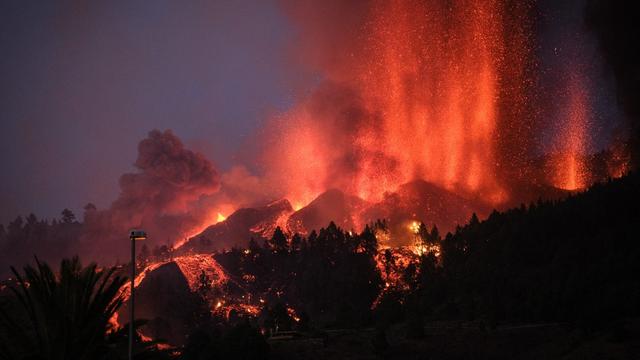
{"x":68,"y":314}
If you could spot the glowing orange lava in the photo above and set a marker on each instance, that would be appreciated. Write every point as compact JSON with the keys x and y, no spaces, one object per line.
{"x":416,"y":98}
{"x":213,"y":218}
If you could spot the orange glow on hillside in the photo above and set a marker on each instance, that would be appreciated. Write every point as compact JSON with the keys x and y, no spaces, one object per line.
{"x":213,"y":218}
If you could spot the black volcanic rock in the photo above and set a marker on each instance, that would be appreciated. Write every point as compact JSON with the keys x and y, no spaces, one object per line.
{"x":239,"y":227}
{"x":332,"y":205}
{"x":414,"y":201}
{"x":417,"y":200}
{"x":166,"y":295}
{"x":526,"y":193}
{"x":426,"y":202}
{"x":165,"y":300}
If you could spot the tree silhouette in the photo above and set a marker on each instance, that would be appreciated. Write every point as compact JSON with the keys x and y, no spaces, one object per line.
{"x":204,"y":284}
{"x":68,"y":216}
{"x":278,"y":241}
{"x":63,"y":317}
{"x":568,"y":261}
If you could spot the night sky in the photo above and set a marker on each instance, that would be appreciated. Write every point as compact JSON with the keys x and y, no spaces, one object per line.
{"x":82,"y":84}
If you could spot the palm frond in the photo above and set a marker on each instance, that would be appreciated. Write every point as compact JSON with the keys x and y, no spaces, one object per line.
{"x":68,"y":314}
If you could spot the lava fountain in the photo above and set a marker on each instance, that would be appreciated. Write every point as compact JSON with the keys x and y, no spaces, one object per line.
{"x":569,"y":169}
{"x":415,"y":95}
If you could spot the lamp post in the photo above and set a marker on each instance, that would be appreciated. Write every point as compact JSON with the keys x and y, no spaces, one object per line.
{"x":135,"y":235}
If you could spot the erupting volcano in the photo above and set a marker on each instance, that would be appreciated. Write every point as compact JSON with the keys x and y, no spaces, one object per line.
{"x":405,"y":111}
{"x":424,"y":95}
{"x":320,"y":179}
{"x":415,"y":94}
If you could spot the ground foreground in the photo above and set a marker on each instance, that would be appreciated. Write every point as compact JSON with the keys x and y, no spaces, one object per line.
{"x":454,"y":340}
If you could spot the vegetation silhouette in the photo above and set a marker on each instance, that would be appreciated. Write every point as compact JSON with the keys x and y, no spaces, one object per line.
{"x":569,"y":261}
{"x":572,"y":261}
{"x":331,"y":276}
{"x":65,"y":315}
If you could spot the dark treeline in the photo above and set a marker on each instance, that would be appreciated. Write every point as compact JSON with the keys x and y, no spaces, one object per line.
{"x":574,"y":260}
{"x":570,"y":261}
{"x":53,"y":240}
{"x":330,"y":277}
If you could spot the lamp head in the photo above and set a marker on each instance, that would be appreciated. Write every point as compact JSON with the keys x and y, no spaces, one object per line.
{"x":138,"y":235}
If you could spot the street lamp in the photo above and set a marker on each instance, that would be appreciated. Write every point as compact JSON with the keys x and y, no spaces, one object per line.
{"x":135,"y":235}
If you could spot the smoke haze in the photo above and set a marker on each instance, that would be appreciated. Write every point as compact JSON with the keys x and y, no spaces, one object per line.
{"x":163,"y":196}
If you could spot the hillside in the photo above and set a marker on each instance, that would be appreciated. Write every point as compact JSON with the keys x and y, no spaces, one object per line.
{"x":569,"y":260}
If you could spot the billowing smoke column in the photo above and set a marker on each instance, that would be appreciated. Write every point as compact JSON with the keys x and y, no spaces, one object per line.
{"x":164,"y":197}
{"x":411,"y":90}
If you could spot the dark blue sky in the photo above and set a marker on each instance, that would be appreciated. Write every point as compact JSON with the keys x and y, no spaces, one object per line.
{"x":83,"y":84}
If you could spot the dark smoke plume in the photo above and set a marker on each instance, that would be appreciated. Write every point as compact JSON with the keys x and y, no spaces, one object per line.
{"x":163,"y":197}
